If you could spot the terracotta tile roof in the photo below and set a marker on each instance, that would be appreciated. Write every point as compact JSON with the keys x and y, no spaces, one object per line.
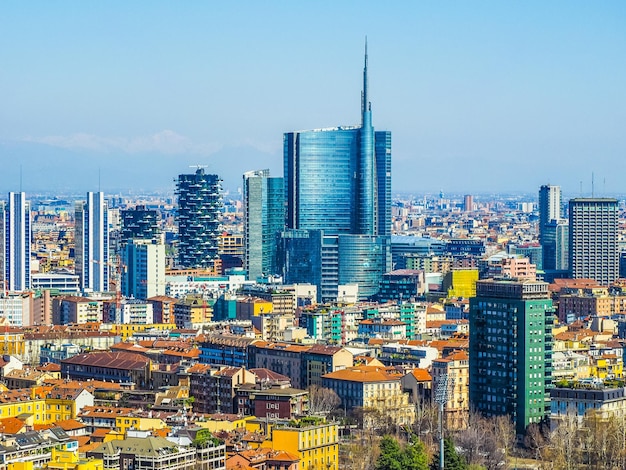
{"x":364,"y":374}
{"x":49,"y":367}
{"x":70,"y":425}
{"x":421,"y":375}
{"x":104,"y":412}
{"x":323,"y":349}
{"x":11,"y":425}
{"x":269,"y":375}
{"x":126,"y":346}
{"x":82,"y":441}
{"x":228,"y":371}
{"x":100,"y":432}
{"x":110,"y":360}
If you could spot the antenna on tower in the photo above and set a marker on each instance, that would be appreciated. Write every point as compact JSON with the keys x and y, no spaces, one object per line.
{"x":592,"y":185}
{"x":20,"y":178}
{"x":99,"y":175}
{"x":581,"y":188}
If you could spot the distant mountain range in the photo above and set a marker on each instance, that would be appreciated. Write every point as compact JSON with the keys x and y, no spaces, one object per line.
{"x":50,"y":169}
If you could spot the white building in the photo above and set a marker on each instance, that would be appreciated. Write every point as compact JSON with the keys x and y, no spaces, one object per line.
{"x":133,"y":311}
{"x":15,"y":238}
{"x":92,"y":243}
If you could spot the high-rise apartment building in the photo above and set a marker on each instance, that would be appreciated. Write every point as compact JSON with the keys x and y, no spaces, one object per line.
{"x":263,"y":219}
{"x":15,"y":224}
{"x":92,"y":243}
{"x":338,"y":182}
{"x":510,"y":353}
{"x":199,"y":209}
{"x":593,"y":231}
{"x":141,"y":223}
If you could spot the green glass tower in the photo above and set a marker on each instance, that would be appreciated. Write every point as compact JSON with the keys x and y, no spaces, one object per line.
{"x":511,"y":350}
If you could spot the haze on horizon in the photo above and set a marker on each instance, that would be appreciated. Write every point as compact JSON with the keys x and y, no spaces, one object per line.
{"x":479,"y":96}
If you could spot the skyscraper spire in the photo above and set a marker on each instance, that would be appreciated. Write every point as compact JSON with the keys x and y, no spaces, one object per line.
{"x":364,"y":98}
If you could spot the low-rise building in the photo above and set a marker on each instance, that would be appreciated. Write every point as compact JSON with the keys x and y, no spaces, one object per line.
{"x":377,"y":390}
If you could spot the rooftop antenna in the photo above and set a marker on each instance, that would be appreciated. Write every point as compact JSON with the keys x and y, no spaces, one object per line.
{"x":581,"y":188}
{"x":592,"y":185}
{"x":20,"y":178}
{"x":604,"y":186}
{"x":99,"y":178}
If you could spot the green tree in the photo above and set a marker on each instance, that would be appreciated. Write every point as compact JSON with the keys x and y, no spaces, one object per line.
{"x":451,"y":459}
{"x":390,"y":457}
{"x":415,"y":457}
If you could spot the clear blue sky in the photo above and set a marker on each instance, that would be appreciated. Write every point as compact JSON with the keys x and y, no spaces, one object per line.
{"x":479,"y":96}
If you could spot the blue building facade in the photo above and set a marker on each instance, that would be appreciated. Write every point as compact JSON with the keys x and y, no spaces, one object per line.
{"x":338,"y":181}
{"x":264,"y":218}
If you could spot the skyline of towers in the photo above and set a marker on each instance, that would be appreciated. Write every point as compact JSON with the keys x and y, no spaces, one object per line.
{"x":510,"y":350}
{"x":92,"y":243}
{"x":263,"y":219}
{"x":198,"y":217}
{"x":338,"y":182}
{"x":593,"y":239}
{"x":15,"y":226}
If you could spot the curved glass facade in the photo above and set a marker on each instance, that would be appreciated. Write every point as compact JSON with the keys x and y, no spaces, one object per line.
{"x":363,"y":260}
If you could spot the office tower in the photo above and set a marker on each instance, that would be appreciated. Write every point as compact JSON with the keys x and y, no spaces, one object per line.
{"x":15,"y":236}
{"x":510,"y":352}
{"x":593,"y":248}
{"x":468,"y":203}
{"x":549,"y":204}
{"x":338,"y":181}
{"x":143,"y":275}
{"x":549,"y":217}
{"x":92,"y":243}
{"x":263,"y":219}
{"x":199,"y":206}
{"x":140,"y":223}
{"x":555,"y":246}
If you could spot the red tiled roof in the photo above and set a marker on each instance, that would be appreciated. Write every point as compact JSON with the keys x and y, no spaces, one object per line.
{"x":110,"y":360}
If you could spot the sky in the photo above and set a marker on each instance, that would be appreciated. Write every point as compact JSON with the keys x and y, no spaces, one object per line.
{"x":480,"y":96}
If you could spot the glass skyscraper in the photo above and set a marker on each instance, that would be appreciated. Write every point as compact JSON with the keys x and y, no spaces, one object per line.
{"x":264,"y":217}
{"x":338,"y":181}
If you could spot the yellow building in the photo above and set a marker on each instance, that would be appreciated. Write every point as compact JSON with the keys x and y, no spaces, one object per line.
{"x":138,"y":423}
{"x":70,"y":460}
{"x":125,"y":331}
{"x":65,"y":403}
{"x":253,"y":307}
{"x":313,"y":440}
{"x":607,"y":366}
{"x":11,"y":342}
{"x":227,"y":423}
{"x":19,"y":402}
{"x":460,"y":283}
